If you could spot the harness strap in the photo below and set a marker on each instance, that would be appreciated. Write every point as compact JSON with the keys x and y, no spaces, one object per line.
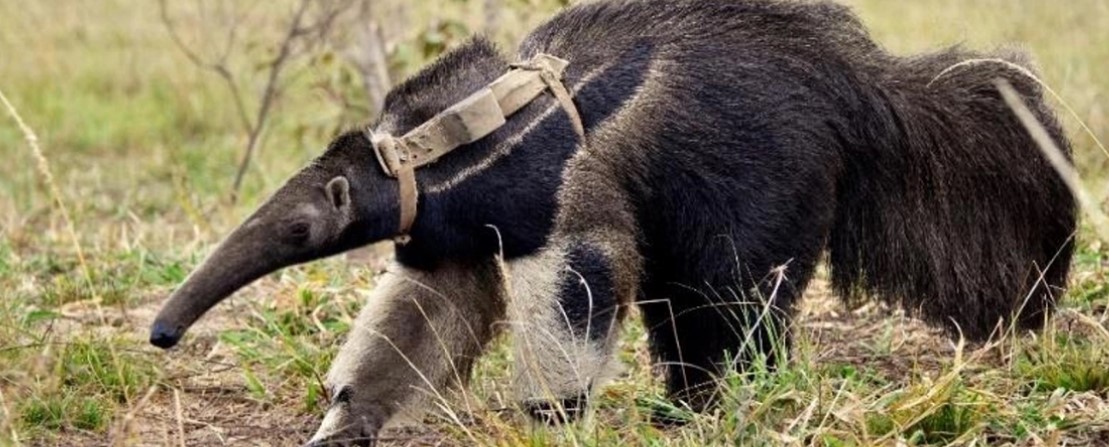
{"x":550,"y":76}
{"x":405,"y":174}
{"x":469,"y":120}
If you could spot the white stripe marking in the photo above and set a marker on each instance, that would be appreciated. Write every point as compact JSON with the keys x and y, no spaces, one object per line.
{"x":505,"y":147}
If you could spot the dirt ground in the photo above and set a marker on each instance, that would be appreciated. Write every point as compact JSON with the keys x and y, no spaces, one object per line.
{"x":212,"y":406}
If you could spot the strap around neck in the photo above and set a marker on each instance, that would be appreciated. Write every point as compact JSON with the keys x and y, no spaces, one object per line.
{"x":469,"y":120}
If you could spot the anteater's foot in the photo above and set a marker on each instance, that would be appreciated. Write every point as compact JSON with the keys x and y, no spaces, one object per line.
{"x":555,"y":412}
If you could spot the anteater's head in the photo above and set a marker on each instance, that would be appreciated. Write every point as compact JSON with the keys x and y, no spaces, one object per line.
{"x":341,"y":201}
{"x":332,"y":205}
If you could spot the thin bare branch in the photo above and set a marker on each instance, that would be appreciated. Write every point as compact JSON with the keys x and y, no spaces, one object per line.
{"x":268,"y":94}
{"x":368,"y":56}
{"x":309,"y":27}
{"x":236,"y":96}
{"x":491,"y":10}
{"x":219,"y":67}
{"x":177,"y":40}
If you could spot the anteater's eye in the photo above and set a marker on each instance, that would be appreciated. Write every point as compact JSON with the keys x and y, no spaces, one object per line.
{"x":299,"y":231}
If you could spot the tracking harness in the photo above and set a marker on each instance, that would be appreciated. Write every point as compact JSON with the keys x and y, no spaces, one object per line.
{"x":467,"y":121}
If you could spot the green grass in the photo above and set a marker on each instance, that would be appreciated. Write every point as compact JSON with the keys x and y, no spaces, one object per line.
{"x":1066,"y":362}
{"x":76,"y":385}
{"x":295,"y":341}
{"x":143,"y":147}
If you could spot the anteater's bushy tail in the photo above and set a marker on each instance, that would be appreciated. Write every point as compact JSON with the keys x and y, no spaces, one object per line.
{"x":947,"y":205}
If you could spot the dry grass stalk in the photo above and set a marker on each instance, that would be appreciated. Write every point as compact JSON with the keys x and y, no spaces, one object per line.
{"x":180,"y":417}
{"x":43,"y":166}
{"x":7,"y":423}
{"x":1057,"y":158}
{"x":1025,"y":72}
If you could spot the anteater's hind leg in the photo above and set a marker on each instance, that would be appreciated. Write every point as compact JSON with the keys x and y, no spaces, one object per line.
{"x":702,"y":325}
{"x":417,"y":337}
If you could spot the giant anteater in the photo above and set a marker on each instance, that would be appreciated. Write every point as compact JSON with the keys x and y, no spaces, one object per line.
{"x":727,"y":145}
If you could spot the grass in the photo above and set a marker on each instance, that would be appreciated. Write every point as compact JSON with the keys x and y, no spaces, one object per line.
{"x":142,"y":149}
{"x":1067,"y":362}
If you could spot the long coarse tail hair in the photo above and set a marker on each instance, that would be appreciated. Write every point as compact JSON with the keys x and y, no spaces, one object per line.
{"x":947,"y":206}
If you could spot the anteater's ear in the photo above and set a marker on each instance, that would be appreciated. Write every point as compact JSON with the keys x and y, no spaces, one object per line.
{"x":338,"y":190}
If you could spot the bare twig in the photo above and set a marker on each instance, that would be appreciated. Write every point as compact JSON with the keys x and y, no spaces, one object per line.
{"x":180,"y":417}
{"x":368,"y":56}
{"x":218,"y":66}
{"x":126,"y":423}
{"x":491,"y":10}
{"x":301,"y":35}
{"x":268,"y":94}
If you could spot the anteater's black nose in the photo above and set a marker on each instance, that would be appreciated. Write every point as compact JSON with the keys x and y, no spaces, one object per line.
{"x":164,"y":335}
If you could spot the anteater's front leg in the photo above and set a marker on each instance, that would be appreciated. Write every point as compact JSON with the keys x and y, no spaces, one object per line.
{"x":417,"y":337}
{"x":568,"y":300}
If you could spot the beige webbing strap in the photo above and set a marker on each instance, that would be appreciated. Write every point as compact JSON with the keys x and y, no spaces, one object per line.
{"x":469,"y":120}
{"x":550,"y":71}
{"x":407,"y":192}
{"x":409,"y":198}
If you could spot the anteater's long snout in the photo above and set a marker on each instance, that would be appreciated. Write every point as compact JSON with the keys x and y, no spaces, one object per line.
{"x":165,"y":335}
{"x":237,"y":262}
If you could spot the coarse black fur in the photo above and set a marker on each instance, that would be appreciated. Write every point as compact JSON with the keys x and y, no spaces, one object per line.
{"x":778,"y":129}
{"x":586,"y":294}
{"x":748,"y":138}
{"x":516,"y":197}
